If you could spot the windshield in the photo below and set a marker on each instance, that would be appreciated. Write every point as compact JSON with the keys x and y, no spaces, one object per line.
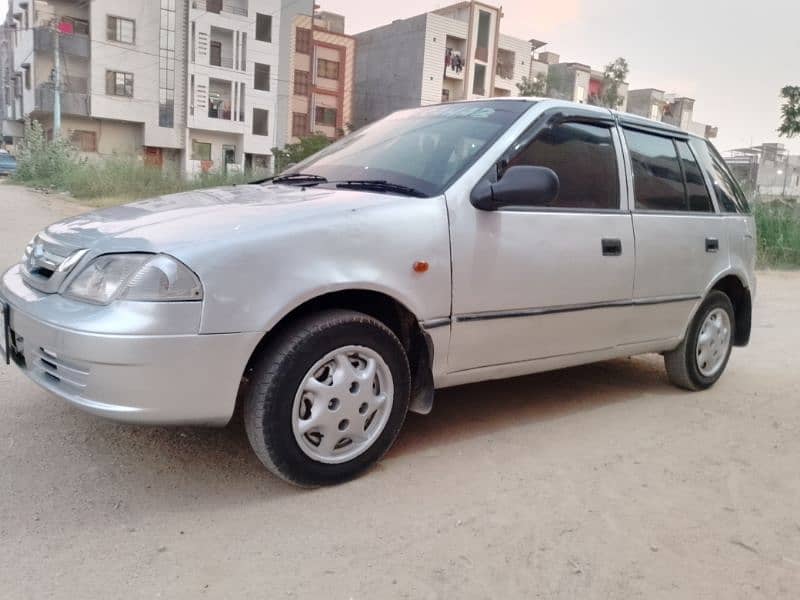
{"x":424,"y":148}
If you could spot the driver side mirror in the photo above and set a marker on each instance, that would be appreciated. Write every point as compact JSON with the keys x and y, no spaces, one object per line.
{"x":519,"y":186}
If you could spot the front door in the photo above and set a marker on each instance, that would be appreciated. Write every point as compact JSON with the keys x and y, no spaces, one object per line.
{"x":228,"y":156}
{"x":546,"y":281}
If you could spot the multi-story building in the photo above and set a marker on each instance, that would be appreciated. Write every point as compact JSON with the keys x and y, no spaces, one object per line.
{"x":318,"y":63}
{"x":766,"y":171}
{"x":669,"y":108}
{"x":453,"y":53}
{"x":182,"y":83}
{"x":577,"y":82}
{"x":232,"y":84}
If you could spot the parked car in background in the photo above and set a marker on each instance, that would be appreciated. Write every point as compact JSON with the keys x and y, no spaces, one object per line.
{"x":8,"y":164}
{"x":440,"y":246}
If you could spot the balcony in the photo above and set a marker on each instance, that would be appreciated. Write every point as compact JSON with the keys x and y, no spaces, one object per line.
{"x":454,"y":62}
{"x":219,"y":100}
{"x":72,"y":44}
{"x":230,"y":7}
{"x":220,"y":48}
{"x":72,"y":103}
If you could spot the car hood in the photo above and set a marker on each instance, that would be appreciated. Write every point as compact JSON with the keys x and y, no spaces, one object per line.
{"x":189,"y":218}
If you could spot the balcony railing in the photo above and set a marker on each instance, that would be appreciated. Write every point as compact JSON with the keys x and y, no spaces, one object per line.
{"x":72,"y":103}
{"x":220,"y":112}
{"x":221,"y":61}
{"x":72,"y":44}
{"x":218,"y":6}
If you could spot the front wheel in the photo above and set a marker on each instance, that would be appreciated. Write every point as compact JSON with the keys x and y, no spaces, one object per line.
{"x":701,"y":358}
{"x":327,"y":398}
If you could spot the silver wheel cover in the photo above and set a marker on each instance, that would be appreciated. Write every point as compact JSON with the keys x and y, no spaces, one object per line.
{"x":342,"y":404}
{"x":713,"y":342}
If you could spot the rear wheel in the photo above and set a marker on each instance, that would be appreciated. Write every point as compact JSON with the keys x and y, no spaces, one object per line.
{"x":327,"y":398}
{"x":703,"y":355}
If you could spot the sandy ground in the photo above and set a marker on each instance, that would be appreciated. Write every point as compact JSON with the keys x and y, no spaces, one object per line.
{"x":594,"y":482}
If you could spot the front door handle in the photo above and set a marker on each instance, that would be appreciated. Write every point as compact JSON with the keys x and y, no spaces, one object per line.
{"x":612,"y":247}
{"x":712,"y":245}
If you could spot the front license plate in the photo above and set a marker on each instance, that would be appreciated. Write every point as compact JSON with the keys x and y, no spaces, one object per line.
{"x":5,"y":331}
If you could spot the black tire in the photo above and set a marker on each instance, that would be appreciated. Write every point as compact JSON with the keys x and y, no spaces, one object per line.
{"x":278,"y":371}
{"x":681,"y":363}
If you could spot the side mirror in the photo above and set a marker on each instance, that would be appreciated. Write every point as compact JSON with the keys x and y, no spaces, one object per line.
{"x":519,"y":186}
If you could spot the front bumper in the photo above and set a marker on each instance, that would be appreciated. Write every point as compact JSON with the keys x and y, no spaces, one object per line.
{"x":134,"y":376}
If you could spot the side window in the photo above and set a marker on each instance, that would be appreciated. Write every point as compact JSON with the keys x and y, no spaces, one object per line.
{"x":699,"y":198}
{"x":584,"y":159}
{"x":728,"y":191}
{"x":657,"y":178}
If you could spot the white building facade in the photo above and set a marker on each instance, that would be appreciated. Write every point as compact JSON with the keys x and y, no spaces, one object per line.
{"x":185,"y":84}
{"x":453,"y":53}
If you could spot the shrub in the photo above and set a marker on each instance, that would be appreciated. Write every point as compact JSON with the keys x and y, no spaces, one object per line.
{"x":41,"y":162}
{"x":778,"y":235}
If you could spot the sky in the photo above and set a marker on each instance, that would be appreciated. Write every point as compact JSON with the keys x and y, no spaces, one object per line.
{"x":731,"y":56}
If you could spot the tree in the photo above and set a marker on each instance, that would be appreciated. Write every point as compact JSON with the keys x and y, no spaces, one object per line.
{"x":533,"y":87}
{"x":293,"y":153}
{"x":614,"y":77}
{"x":790,"y":111}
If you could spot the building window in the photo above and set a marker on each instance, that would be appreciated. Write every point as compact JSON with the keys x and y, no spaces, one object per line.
{"x":166,"y":65}
{"x":201,"y":150}
{"x":261,"y":77}
{"x":263,"y":27}
{"x":302,"y":42}
{"x":328,"y":69}
{"x":299,"y":124}
{"x":484,"y":23}
{"x":85,"y":141}
{"x":302,"y":83}
{"x":120,"y":30}
{"x":479,"y":80}
{"x":325,"y":116}
{"x":260,"y":121}
{"x":27,"y":72}
{"x":119,"y":84}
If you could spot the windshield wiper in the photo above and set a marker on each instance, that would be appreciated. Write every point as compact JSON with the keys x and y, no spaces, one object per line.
{"x":380,"y":185}
{"x":299,"y":178}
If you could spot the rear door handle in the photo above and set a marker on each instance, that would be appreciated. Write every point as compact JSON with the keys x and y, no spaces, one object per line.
{"x":712,"y":244}
{"x":612,"y":247}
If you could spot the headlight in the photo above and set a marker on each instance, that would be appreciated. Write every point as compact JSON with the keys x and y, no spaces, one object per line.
{"x":135,"y":277}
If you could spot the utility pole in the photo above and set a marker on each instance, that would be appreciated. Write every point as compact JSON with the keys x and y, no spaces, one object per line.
{"x":56,"y":83}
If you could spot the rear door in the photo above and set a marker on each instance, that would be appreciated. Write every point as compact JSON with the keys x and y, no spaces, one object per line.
{"x":681,"y":240}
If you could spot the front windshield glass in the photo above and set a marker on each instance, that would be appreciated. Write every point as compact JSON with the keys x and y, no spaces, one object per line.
{"x":423,"y":148}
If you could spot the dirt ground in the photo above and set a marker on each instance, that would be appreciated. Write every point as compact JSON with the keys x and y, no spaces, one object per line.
{"x":593,"y":482}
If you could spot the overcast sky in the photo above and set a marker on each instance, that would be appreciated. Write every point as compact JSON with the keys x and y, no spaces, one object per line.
{"x":732,"y":56}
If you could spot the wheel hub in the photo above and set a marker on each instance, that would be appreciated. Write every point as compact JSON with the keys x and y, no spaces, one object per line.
{"x":342,"y":404}
{"x":713,"y":342}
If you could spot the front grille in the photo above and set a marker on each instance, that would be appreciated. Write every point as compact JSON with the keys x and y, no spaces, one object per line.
{"x":43,"y":262}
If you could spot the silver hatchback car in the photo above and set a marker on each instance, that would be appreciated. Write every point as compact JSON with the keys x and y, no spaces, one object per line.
{"x":440,"y":246}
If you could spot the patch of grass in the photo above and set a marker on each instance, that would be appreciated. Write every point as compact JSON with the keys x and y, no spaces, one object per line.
{"x":778,"y":235}
{"x":55,"y":165}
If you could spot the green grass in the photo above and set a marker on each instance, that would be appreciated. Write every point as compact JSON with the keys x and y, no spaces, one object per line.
{"x":778,"y":236}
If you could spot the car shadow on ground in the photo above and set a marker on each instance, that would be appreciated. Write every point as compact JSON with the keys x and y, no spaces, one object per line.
{"x":217,"y":465}
{"x":491,"y":406}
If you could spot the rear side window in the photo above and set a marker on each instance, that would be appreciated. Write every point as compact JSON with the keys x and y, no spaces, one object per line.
{"x":583,"y":157}
{"x":730,"y":196}
{"x":696,"y":190}
{"x":657,"y":177}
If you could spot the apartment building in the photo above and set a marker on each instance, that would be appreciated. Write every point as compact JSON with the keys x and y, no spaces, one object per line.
{"x":185,"y":84}
{"x":575,"y":81}
{"x":670,"y":108}
{"x":318,"y":62}
{"x":232,"y":84}
{"x":453,"y":53}
{"x":766,"y":171}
